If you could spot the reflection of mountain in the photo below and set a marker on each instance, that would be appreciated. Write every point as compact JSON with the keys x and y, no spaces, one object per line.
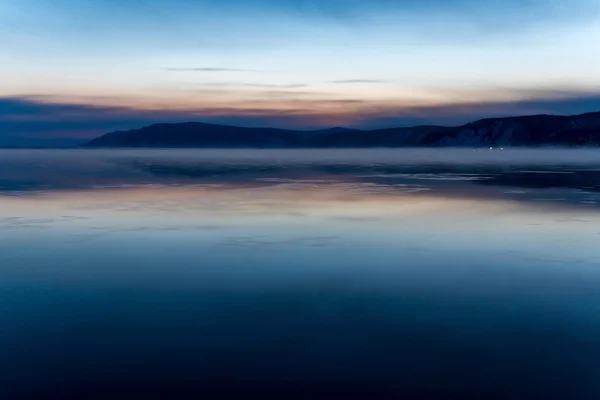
{"x":571,"y":178}
{"x":536,"y":130}
{"x":519,"y":176}
{"x":567,"y":177}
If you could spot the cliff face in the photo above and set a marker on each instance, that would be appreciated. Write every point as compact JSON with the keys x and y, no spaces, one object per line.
{"x":536,"y":130}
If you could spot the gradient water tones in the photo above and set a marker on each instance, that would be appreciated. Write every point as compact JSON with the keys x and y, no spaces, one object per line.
{"x":346,"y":273}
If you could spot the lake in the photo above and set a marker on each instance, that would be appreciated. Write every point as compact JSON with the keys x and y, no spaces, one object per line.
{"x":381,"y":273}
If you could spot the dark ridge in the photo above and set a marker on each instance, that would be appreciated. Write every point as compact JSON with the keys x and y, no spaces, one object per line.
{"x":523,"y":131}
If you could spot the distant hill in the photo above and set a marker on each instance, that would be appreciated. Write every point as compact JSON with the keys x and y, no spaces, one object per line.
{"x":534,"y":130}
{"x":393,"y":137}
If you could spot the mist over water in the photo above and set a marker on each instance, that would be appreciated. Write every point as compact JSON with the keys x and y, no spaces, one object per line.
{"x":436,"y":273}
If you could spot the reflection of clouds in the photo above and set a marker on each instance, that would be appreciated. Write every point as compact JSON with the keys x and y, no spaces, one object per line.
{"x":9,"y":192}
{"x":572,"y":175}
{"x":13,"y":223}
{"x":97,"y":232}
{"x":555,"y":260}
{"x":551,"y":199}
{"x":434,"y":177}
{"x":288,"y":180}
{"x":354,"y":221}
{"x":265,"y":241}
{"x":157,"y":186}
{"x":349,"y":187}
{"x":350,"y":218}
{"x":417,"y":249}
{"x":545,"y":172}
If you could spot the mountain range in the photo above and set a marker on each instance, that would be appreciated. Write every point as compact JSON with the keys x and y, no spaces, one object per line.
{"x":523,"y":131}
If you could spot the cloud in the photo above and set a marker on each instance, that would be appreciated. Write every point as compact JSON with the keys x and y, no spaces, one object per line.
{"x":37,"y":117}
{"x":254,"y":85}
{"x":360,"y":81}
{"x":290,"y":95}
{"x":571,"y":103}
{"x":207,"y":69}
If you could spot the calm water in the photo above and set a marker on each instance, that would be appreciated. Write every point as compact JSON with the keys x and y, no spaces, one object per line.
{"x":300,"y":274}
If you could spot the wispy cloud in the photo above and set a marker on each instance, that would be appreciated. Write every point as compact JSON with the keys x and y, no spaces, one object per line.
{"x":255,"y":85}
{"x":206,"y":69}
{"x":288,"y":95}
{"x":41,"y":117}
{"x":360,"y":81}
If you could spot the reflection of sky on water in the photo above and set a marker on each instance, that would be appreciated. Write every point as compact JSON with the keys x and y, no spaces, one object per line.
{"x":358,"y":278}
{"x":555,"y":176}
{"x":193,"y":224}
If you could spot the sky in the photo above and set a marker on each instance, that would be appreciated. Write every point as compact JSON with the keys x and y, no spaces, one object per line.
{"x":81,"y":68}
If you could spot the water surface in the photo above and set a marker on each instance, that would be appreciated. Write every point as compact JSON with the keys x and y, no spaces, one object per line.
{"x":300,"y":274}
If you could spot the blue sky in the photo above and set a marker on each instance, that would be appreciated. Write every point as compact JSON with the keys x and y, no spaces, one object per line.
{"x":76,"y":68}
